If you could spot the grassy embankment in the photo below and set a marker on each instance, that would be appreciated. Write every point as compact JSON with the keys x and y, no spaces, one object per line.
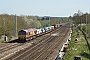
{"x":1,"y":41}
{"x":77,"y":49}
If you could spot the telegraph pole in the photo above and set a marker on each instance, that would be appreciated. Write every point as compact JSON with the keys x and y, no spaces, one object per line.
{"x":15,"y":25}
{"x":34,"y":21}
{"x":44,"y":21}
{"x":86,"y":36}
{"x":86,"y":26}
{"x":4,"y":25}
{"x":5,"y":37}
{"x":49,"y":21}
{"x":59,"y":22}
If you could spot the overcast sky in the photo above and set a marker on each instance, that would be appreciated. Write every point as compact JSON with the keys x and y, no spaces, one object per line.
{"x":44,"y":7}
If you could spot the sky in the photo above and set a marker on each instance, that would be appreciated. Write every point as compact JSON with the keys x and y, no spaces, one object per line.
{"x":61,"y":8}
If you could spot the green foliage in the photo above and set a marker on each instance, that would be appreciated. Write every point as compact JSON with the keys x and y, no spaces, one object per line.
{"x":7,"y":23}
{"x":80,"y":18}
{"x":77,"y":49}
{"x":84,"y":28}
{"x":88,"y":28}
{"x":42,"y":23}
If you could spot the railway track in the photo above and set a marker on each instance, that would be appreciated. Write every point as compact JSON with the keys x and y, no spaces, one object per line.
{"x":17,"y":56}
{"x":46,"y":52}
{"x":7,"y":46}
{"x":42,"y":50}
{"x":56,"y":45}
{"x":2,"y":45}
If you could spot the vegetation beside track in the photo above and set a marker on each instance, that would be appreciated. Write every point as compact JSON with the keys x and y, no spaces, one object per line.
{"x":77,"y":49}
{"x":7,"y":23}
{"x":1,"y":40}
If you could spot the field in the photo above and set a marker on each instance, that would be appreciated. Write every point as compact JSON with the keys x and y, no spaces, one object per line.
{"x":78,"y":48}
{"x":1,"y":40}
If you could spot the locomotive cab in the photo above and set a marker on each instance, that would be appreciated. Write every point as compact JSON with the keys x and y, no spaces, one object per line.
{"x":22,"y":35}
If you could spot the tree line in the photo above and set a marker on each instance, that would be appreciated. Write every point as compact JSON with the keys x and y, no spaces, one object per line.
{"x":7,"y":23}
{"x":82,"y":20}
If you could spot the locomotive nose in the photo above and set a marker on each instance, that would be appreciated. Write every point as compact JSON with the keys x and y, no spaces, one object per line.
{"x":22,"y":37}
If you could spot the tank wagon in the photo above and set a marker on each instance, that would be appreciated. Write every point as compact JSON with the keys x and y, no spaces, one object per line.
{"x":31,"y":33}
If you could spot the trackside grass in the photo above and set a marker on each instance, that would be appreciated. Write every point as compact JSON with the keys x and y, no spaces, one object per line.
{"x":88,"y":40}
{"x":1,"y":41}
{"x":78,"y":48}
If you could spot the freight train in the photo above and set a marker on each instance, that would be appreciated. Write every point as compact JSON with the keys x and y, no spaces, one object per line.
{"x":31,"y":33}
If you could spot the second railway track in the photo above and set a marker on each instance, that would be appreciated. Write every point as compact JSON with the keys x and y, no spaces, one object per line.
{"x":8,"y":46}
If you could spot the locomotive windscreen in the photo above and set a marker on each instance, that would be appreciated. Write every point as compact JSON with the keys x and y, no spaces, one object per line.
{"x":21,"y":33}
